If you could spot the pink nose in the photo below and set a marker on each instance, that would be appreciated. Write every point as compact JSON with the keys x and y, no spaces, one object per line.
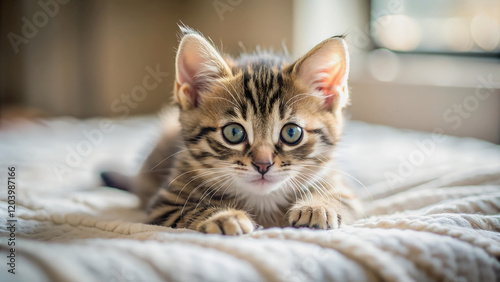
{"x":262,"y":168}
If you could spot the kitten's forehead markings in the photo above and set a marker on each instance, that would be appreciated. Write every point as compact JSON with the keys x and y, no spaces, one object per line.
{"x":262,"y":85}
{"x":249,"y":90}
{"x":278,"y":123}
{"x":274,"y":93}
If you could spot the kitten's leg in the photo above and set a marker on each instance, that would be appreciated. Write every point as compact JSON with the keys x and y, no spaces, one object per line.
{"x":207,"y":219}
{"x":320,"y":211}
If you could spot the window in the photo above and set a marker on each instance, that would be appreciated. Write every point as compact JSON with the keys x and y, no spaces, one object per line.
{"x":444,"y":26}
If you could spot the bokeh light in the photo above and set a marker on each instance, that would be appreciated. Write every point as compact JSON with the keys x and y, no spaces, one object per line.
{"x":485,"y":32}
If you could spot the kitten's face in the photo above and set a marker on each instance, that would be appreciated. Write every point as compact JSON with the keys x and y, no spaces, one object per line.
{"x":259,"y":126}
{"x":284,"y":139}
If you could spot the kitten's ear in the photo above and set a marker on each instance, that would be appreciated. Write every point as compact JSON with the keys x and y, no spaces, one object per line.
{"x":198,"y":64}
{"x":324,"y":69}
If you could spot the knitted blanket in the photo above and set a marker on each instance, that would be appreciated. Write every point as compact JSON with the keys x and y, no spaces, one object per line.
{"x":432,"y":212}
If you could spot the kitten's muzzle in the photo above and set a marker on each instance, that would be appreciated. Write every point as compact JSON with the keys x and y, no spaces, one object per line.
{"x":262,"y":168}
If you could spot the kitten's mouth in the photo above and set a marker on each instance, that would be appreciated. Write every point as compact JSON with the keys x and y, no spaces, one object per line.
{"x":262,"y":181}
{"x":261,"y":184}
{"x":264,"y":184}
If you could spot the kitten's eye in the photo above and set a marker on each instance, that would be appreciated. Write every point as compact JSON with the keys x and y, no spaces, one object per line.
{"x":291,"y":134}
{"x":234,"y":133}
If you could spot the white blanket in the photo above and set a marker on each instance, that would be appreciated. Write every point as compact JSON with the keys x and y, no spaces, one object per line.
{"x":432,"y":213}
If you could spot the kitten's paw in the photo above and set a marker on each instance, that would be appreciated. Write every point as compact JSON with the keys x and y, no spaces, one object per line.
{"x":230,"y":222}
{"x":314,"y":216}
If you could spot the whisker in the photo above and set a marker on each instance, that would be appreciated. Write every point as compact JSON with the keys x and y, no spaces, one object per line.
{"x":229,"y":180}
{"x":296,"y":99}
{"x":300,"y":188}
{"x":176,"y":153}
{"x":230,"y":93}
{"x":222,"y":197}
{"x":345,"y":173}
{"x":191,"y":171}
{"x":193,"y":179}
{"x":235,"y":91}
{"x":313,"y":185}
{"x":209,"y":189}
{"x":194,"y":189}
{"x":317,"y":178}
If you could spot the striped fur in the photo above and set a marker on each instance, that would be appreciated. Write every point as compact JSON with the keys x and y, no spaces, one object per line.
{"x":210,"y":185}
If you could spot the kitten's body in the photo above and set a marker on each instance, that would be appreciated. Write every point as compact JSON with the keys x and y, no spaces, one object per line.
{"x":197,"y":178}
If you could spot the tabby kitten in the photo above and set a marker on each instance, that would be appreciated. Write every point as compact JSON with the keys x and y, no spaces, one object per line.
{"x":256,"y":136}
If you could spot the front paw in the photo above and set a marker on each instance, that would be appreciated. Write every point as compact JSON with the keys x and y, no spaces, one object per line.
{"x":229,"y":222}
{"x":314,"y":216}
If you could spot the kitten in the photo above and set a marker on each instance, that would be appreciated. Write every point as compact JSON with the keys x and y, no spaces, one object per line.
{"x":257,"y":135}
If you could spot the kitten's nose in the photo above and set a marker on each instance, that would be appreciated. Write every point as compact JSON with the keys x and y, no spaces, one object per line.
{"x":262,"y":158}
{"x":262,"y":168}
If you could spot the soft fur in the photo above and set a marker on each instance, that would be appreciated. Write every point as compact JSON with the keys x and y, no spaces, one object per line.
{"x":195,"y":179}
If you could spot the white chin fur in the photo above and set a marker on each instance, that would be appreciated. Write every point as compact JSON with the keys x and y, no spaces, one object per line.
{"x":265,"y":199}
{"x":258,"y":186}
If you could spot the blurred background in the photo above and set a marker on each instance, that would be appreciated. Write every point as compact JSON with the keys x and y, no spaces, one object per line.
{"x":426,"y":65}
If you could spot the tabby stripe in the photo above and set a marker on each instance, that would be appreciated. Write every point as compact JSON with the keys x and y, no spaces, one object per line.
{"x":231,"y":113}
{"x":255,"y":85}
{"x":303,"y":151}
{"x":278,"y":149}
{"x":201,"y":155}
{"x":185,"y":195}
{"x":197,"y":214}
{"x":181,"y":216}
{"x":167,"y":202}
{"x":204,"y":131}
{"x":246,"y":149}
{"x":191,"y":196}
{"x":164,"y":201}
{"x":220,"y":197}
{"x":248,"y":92}
{"x":218,"y":147}
{"x":277,"y":93}
{"x":256,"y":66}
{"x":259,"y":81}
{"x":244,"y":111}
{"x":282,"y":109}
{"x":159,"y":220}
{"x":322,"y":136}
{"x":264,"y":90}
{"x":271,"y":86}
{"x":204,"y":155}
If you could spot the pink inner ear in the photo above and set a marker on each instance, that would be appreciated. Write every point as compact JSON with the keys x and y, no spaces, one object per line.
{"x":329,"y":81}
{"x":189,"y":64}
{"x":185,"y":74}
{"x":328,"y":78}
{"x":198,"y":64}
{"x":324,"y":69}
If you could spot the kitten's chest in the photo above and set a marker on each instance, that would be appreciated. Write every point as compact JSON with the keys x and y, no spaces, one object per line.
{"x":267,"y":210}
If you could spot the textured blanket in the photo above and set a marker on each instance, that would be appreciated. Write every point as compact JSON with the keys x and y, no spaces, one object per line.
{"x":432,"y":212}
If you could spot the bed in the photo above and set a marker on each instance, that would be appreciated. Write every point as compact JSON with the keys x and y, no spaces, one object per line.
{"x":432,"y":212}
